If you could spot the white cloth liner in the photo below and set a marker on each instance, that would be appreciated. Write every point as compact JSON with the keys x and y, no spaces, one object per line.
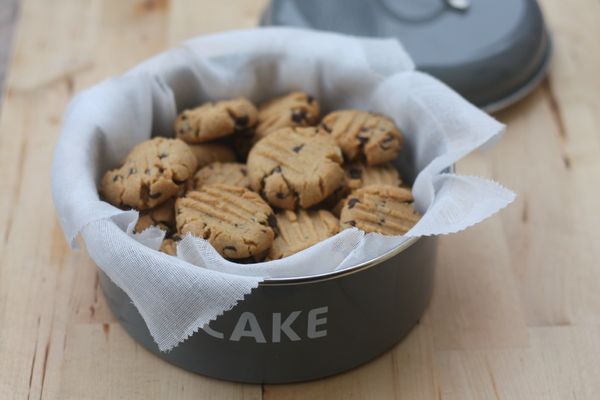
{"x":177,"y":296}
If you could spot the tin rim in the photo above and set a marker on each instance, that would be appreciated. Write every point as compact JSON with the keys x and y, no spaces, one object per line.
{"x":344,"y":272}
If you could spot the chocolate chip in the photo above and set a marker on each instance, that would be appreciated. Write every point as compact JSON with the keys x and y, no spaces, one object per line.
{"x":280,"y":195}
{"x":277,"y":169}
{"x":241,"y":122}
{"x":272,"y":221}
{"x":132,"y":171}
{"x":184,"y":116}
{"x":229,"y":248}
{"x":362,"y":139}
{"x":351,"y":222}
{"x":298,"y":148}
{"x":388,"y":138}
{"x":326,"y":127}
{"x":364,"y":129}
{"x":298,"y":116}
{"x":355,"y":173}
{"x":310,"y":99}
{"x":352,"y":202}
{"x":116,"y":178}
{"x":178,"y":182}
{"x":163,"y":155}
{"x":381,"y":221}
{"x":244,"y":171}
{"x":385,"y":143}
{"x":147,"y":171}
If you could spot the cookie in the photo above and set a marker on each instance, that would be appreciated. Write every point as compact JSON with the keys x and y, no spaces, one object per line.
{"x":169,"y":246}
{"x":360,"y":175}
{"x":207,"y":153}
{"x":295,"y":167}
{"x":294,"y":109}
{"x":380,"y":208}
{"x":215,"y":120}
{"x":361,"y":134}
{"x":233,"y":219}
{"x":152,"y":173}
{"x":234,"y":174}
{"x":298,"y":230}
{"x":162,"y":216}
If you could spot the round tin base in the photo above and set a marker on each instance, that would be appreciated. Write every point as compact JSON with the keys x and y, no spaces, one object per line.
{"x":291,"y":332}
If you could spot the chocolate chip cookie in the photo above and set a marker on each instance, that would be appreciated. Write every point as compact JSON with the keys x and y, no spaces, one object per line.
{"x":298,"y":230}
{"x":169,"y":246}
{"x":360,"y":175}
{"x":162,"y":216}
{"x":294,"y":109}
{"x":295,"y":167}
{"x":363,"y":134}
{"x":207,"y":153}
{"x":234,"y":220}
{"x":153,"y":172}
{"x":234,"y":174}
{"x":215,"y":120}
{"x":380,"y":208}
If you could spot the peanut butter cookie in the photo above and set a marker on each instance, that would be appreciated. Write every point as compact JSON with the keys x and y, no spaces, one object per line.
{"x":153,"y":172}
{"x":298,"y":230}
{"x":207,"y":153}
{"x":233,"y":219}
{"x":363,"y":134}
{"x":380,"y":208}
{"x":215,"y":120}
{"x":294,"y":109}
{"x":162,"y":216}
{"x":295,"y":167}
{"x":360,"y":175}
{"x":169,"y":246}
{"x":234,"y":174}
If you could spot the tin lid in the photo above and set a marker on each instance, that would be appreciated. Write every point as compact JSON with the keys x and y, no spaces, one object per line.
{"x":492,"y":52}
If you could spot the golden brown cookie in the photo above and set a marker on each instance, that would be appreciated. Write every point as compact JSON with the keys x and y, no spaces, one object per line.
{"x":380,"y":208}
{"x":162,"y":216}
{"x":363,"y":134}
{"x":360,"y":175}
{"x":294,"y":109}
{"x":234,"y":174}
{"x":233,"y":219}
{"x":207,"y":153}
{"x":169,"y":246}
{"x":215,"y":120}
{"x":153,"y":172}
{"x":295,"y":167}
{"x":298,"y":230}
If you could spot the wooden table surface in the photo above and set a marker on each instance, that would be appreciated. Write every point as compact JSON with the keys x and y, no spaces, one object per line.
{"x":516,"y":309}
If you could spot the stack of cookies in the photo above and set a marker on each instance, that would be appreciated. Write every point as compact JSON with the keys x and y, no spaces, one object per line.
{"x":264,"y":183}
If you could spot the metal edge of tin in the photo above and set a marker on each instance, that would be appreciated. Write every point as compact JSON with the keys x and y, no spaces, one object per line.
{"x":346,"y":271}
{"x":522,"y":91}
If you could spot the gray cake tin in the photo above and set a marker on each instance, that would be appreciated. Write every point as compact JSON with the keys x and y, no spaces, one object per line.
{"x":492,"y":52}
{"x":298,"y":329}
{"x":291,"y":330}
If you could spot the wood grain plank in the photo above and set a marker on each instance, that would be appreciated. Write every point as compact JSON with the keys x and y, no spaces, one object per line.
{"x":8,"y":18}
{"x":560,"y":363}
{"x":405,"y":372}
{"x":550,"y":157}
{"x":475,"y":302}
